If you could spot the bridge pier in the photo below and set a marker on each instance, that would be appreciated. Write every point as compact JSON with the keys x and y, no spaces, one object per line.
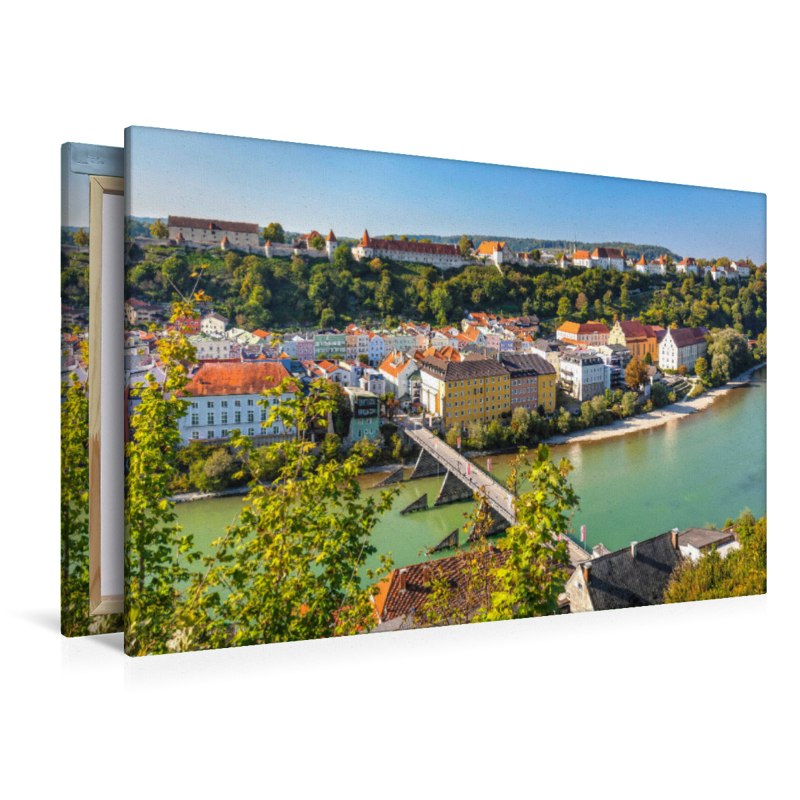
{"x":453,"y":490}
{"x":426,"y":467}
{"x":420,"y":504}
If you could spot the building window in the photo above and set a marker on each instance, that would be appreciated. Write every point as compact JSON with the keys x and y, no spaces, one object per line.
{"x":210,"y":420}
{"x":237,"y":416}
{"x":210,"y":435}
{"x":195,"y":419}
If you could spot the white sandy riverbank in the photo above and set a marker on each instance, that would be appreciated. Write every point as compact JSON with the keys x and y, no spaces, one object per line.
{"x":662,"y":416}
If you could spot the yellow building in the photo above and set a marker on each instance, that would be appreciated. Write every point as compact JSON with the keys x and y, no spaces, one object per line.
{"x":639,"y":339}
{"x":533,"y":381}
{"x":473,"y":390}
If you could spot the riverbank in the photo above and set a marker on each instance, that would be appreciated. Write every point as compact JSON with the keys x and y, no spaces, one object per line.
{"x":641,"y":422}
{"x":662,"y":416}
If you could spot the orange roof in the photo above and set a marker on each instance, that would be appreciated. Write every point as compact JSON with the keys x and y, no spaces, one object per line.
{"x":580,"y":254}
{"x":383,"y":590}
{"x":642,"y":262}
{"x":261,"y":334}
{"x":331,"y":237}
{"x":394,"y":364}
{"x":471,"y":334}
{"x":487,"y":248}
{"x":235,"y":377}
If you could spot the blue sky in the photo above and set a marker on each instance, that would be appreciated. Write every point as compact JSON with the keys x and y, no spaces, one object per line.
{"x":308,"y":187}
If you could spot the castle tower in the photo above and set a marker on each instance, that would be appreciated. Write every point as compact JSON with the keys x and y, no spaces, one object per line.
{"x":331,"y":244}
{"x":268,"y":249}
{"x":225,"y":245}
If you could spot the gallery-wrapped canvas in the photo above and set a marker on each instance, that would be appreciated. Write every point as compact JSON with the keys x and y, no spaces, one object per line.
{"x":369,"y":392}
{"x":91,"y":233}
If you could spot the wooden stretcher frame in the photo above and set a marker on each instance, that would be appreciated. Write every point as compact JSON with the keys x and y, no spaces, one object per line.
{"x":99,"y":185}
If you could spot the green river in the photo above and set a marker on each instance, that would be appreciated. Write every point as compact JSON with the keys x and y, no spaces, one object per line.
{"x":693,"y":471}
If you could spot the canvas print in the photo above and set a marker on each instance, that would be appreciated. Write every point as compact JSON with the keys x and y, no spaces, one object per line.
{"x":79,"y":162}
{"x":369,"y":392}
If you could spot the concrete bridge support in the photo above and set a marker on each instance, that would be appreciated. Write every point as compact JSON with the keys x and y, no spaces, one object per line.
{"x":453,"y":490}
{"x":426,"y":467}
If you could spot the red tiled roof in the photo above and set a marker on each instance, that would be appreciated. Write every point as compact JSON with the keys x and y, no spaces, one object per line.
{"x":608,"y":252}
{"x":212,"y":224}
{"x":235,"y":377}
{"x":331,"y":237}
{"x":407,"y":592}
{"x":429,"y":248}
{"x":580,"y":254}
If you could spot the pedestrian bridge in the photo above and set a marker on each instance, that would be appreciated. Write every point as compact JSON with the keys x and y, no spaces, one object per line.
{"x":463,"y":479}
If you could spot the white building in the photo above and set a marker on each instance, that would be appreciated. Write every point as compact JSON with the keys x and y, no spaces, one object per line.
{"x":213,"y":325}
{"x":742,"y":268}
{"x":213,"y":231}
{"x":373,"y":381}
{"x":681,"y":347}
{"x":694,"y":543}
{"x":687,"y":265}
{"x":224,"y":396}
{"x":397,"y":368}
{"x":444,"y":256}
{"x":608,"y":258}
{"x":207,"y":347}
{"x":583,"y":375}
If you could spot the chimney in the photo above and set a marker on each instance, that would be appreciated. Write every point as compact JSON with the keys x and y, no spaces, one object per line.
{"x":633,"y":549}
{"x":587,"y":568}
{"x":675,"y":533}
{"x":402,"y":577}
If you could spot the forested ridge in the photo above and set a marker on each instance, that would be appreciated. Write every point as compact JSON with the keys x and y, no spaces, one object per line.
{"x":257,"y":292}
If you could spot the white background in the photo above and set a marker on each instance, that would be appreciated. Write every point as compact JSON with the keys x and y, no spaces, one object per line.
{"x":694,"y":701}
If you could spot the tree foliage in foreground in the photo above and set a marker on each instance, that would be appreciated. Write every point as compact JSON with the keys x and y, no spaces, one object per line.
{"x":291,"y":567}
{"x":524,"y":576}
{"x":742,"y":572}
{"x":75,"y":619}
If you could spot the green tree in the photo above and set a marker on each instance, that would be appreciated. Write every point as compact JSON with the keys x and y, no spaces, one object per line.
{"x":648,"y":359}
{"x":302,"y":574}
{"x":628,"y":404}
{"x":659,"y":394}
{"x":564,"y":308}
{"x":536,"y":255}
{"x":587,"y":414}
{"x":81,"y":237}
{"x":521,"y":424}
{"x":75,"y":619}
{"x":342,"y":257}
{"x":742,"y":572}
{"x":701,"y":367}
{"x":729,"y":353}
{"x":157,"y":555}
{"x":158,"y":230}
{"x":327,"y":318}
{"x":533,"y":573}
{"x":463,"y":246}
{"x":452,"y":436}
{"x":274,"y":233}
{"x":316,"y":243}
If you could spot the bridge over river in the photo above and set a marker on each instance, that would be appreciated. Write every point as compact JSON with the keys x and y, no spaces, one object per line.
{"x":462,"y":479}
